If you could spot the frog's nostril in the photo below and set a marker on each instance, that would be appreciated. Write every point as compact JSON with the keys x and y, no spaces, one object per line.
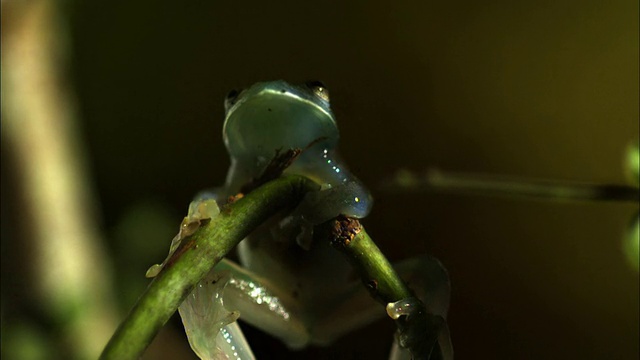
{"x":232,"y":95}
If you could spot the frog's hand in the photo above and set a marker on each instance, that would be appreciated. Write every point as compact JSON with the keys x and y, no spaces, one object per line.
{"x":210,"y":328}
{"x":349,"y":198}
{"x":203,"y":207}
{"x":430,"y":281}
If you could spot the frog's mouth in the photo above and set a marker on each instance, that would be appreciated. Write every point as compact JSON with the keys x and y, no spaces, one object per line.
{"x":277,"y":117}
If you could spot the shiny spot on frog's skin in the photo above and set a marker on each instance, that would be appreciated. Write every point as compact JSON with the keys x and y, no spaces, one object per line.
{"x":260,"y":296}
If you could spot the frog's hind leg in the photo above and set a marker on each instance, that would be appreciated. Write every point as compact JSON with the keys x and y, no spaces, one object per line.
{"x":277,"y":312}
{"x":264,"y":305}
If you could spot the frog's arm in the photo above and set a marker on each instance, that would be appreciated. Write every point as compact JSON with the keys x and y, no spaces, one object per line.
{"x":277,"y":312}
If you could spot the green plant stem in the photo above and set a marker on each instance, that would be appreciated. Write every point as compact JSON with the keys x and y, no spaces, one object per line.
{"x":194,"y":259}
{"x":350,"y":237}
{"x":419,"y":331}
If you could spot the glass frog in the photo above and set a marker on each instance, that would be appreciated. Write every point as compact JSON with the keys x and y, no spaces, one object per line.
{"x":296,"y":289}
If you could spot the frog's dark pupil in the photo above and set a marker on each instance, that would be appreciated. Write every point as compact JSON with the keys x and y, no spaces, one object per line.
{"x":319,"y":88}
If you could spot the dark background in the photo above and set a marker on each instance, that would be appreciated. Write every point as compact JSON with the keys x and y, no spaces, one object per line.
{"x":545,"y":89}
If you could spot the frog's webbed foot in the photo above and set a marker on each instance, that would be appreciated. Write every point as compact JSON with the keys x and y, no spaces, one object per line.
{"x":425,"y":321}
{"x":201,"y":209}
{"x":418,"y":331}
{"x":210,"y":327}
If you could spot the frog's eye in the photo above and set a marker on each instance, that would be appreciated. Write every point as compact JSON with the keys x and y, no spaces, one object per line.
{"x":319,"y":89}
{"x":231,"y":98}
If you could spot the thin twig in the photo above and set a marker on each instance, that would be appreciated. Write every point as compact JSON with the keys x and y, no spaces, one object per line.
{"x":420,"y":330}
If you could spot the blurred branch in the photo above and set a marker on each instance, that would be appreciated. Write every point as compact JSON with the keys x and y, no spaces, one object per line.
{"x":632,"y":162}
{"x":69,"y":275}
{"x":195,"y":257}
{"x":436,"y":180}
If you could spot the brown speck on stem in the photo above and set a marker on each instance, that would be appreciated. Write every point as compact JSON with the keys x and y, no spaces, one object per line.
{"x":234,"y":198}
{"x":344,"y":230}
{"x":372,"y":285}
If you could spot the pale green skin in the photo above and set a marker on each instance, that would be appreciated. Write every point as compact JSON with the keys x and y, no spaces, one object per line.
{"x":298,"y":290}
{"x":275,"y":115}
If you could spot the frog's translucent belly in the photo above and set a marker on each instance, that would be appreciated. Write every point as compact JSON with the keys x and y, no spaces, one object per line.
{"x":312,"y":276}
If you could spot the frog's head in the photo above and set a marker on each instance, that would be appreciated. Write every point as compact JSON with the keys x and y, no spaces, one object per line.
{"x":276,"y":115}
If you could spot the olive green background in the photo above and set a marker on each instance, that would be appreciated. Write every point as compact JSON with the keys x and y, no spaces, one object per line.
{"x":545,"y":89}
